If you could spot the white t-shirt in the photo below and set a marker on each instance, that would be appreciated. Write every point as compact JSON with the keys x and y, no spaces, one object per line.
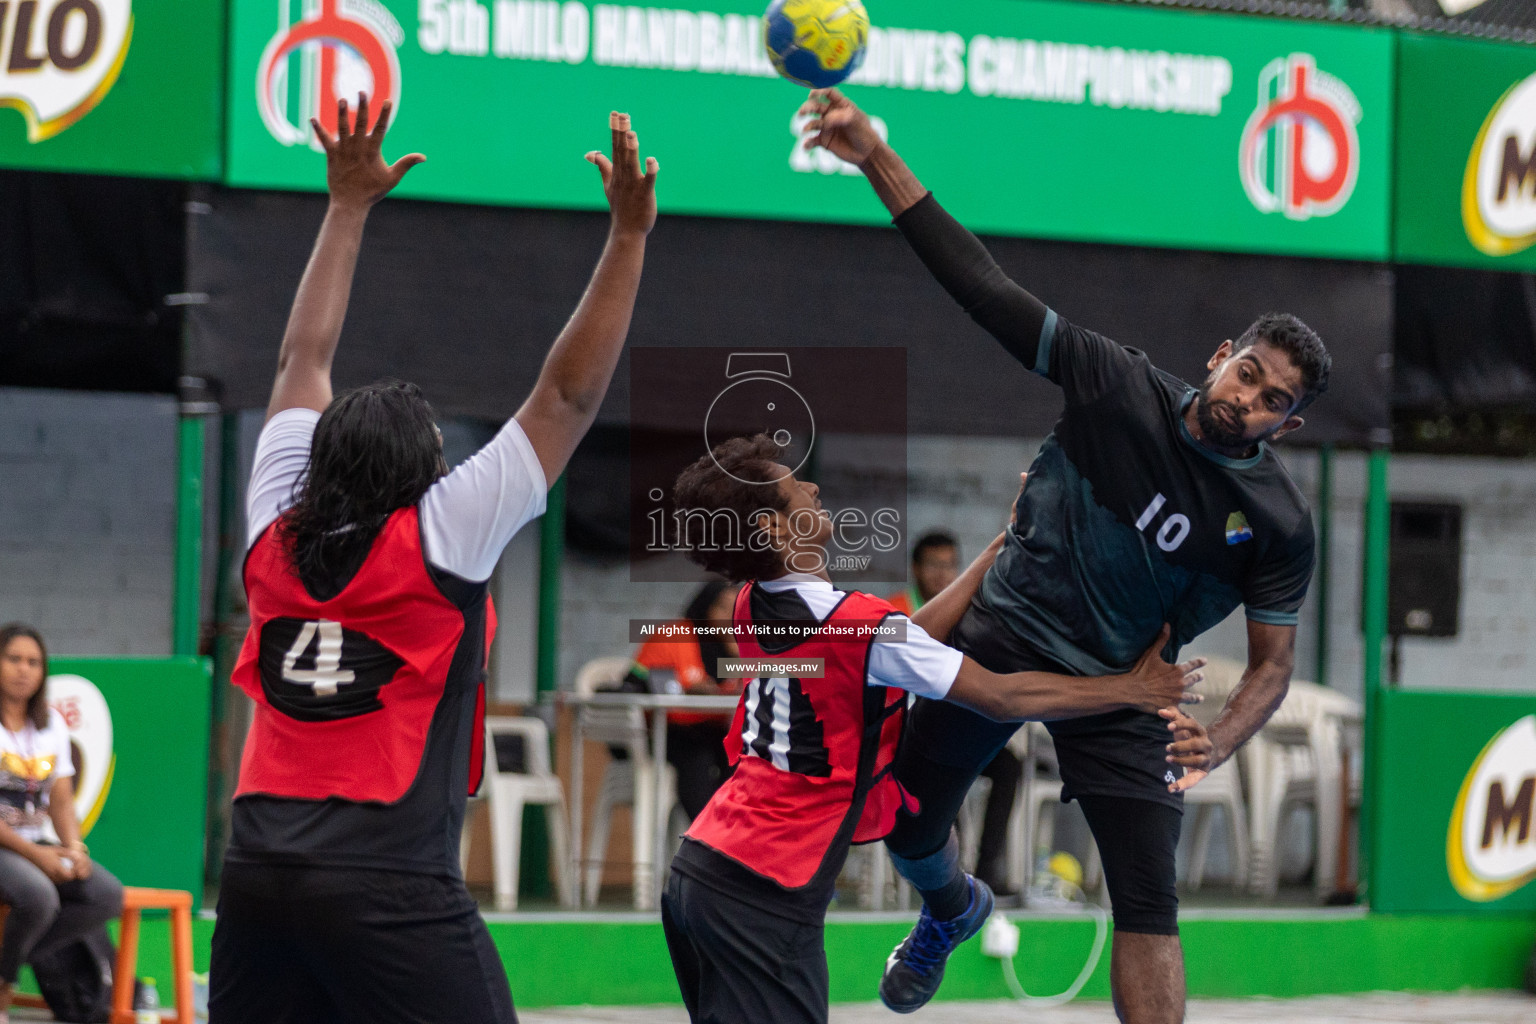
{"x":920,"y":665}
{"x":30,"y":762}
{"x":467,"y":517}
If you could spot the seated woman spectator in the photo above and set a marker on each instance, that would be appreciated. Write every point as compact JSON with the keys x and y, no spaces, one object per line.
{"x":695,"y":740}
{"x":55,"y":893}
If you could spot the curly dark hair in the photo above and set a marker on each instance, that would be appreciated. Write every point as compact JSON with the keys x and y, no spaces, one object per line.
{"x":717,"y":486}
{"x":376,"y":450}
{"x":1300,"y":342}
{"x":37,"y":704}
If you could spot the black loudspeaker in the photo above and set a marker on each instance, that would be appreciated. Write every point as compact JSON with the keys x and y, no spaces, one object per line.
{"x":1424,"y":581}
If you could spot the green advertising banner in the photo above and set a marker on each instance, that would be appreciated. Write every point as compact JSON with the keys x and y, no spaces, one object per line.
{"x":139,"y":729}
{"x":1455,"y":821}
{"x":112,"y":86}
{"x":1466,"y":153}
{"x":1064,"y":120}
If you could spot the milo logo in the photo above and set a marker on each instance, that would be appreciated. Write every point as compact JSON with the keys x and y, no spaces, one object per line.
{"x":62,"y":57}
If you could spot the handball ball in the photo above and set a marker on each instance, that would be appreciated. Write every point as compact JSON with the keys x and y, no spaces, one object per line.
{"x":816,"y":43}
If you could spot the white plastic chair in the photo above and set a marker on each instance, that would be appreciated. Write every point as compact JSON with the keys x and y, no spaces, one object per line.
{"x":1222,"y":788}
{"x":625,"y":782}
{"x":507,"y":790}
{"x":1039,"y":795}
{"x":1296,"y":761}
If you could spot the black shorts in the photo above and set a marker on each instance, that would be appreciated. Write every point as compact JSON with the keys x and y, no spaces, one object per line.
{"x":738,"y":964}
{"x":1137,"y":840}
{"x":295,"y":945}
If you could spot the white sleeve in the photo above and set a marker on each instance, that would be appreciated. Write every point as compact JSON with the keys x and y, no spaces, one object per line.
{"x":920,"y":665}
{"x":58,"y":733}
{"x":282,"y":452}
{"x":468,"y":516}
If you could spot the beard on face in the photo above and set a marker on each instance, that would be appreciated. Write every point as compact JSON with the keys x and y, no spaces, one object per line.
{"x":1212,"y":427}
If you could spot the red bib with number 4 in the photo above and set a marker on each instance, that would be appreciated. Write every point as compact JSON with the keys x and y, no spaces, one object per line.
{"x":346,"y":689}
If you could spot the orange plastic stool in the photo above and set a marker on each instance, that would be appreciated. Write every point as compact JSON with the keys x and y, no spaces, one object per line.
{"x":179,"y":903}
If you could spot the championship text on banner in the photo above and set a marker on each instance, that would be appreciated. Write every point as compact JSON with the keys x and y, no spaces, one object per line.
{"x":1101,"y":123}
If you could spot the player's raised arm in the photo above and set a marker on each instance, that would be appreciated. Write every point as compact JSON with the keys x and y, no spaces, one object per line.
{"x":579,"y":366}
{"x":954,"y":256}
{"x":356,"y":177}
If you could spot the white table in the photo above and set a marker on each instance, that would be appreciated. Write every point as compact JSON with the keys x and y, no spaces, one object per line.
{"x":648,"y":885}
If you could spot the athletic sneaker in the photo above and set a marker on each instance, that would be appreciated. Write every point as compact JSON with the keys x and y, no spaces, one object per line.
{"x":913,"y":971}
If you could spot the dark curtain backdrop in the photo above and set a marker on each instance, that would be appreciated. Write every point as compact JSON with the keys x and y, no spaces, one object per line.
{"x":86,"y":263}
{"x":1466,"y":340}
{"x":466,"y":300}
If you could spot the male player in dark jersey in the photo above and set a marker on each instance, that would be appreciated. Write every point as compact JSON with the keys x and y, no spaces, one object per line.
{"x":749,"y":888}
{"x":341,"y":898}
{"x":1153,"y":501}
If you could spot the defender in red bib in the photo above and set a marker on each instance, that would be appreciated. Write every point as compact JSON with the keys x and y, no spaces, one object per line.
{"x":747,"y":897}
{"x":366,"y":575}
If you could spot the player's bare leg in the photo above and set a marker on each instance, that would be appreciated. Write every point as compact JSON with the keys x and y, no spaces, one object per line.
{"x":1146,"y":977}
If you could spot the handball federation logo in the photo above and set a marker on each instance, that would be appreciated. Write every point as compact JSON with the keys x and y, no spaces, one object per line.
{"x":62,"y":57}
{"x":1300,"y":154}
{"x":339,"y":49}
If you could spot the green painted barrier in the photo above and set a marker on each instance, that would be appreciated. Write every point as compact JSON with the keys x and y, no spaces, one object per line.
{"x":1229,"y":956}
{"x":145,"y":784}
{"x":1455,"y":813}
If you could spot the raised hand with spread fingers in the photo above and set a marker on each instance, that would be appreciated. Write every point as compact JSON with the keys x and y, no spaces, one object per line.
{"x":356,"y":177}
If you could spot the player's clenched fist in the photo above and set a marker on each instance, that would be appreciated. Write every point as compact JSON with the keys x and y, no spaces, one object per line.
{"x":631,"y":192}
{"x":1191,"y":747}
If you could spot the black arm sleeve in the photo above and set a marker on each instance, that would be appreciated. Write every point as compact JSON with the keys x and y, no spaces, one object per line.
{"x":973,"y":279}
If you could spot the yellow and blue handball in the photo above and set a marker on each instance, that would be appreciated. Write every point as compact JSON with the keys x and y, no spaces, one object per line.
{"x":816,"y":43}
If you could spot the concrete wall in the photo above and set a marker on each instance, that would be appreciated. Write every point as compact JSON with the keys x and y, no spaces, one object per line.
{"x":966,"y":485}
{"x":87,"y":519}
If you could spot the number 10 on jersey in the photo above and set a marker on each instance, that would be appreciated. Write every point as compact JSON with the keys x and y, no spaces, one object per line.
{"x":1174,"y":529}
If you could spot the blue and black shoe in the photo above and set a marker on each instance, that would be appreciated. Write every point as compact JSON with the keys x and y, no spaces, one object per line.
{"x":913,"y":971}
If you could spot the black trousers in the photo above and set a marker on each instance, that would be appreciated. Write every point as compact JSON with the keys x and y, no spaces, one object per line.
{"x":46,"y":914}
{"x":295,"y":945}
{"x":738,"y":964}
{"x":1006,"y":772}
{"x":697,"y":751}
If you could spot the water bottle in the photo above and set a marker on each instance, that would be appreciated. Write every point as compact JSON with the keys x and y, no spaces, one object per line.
{"x":147,"y":1009}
